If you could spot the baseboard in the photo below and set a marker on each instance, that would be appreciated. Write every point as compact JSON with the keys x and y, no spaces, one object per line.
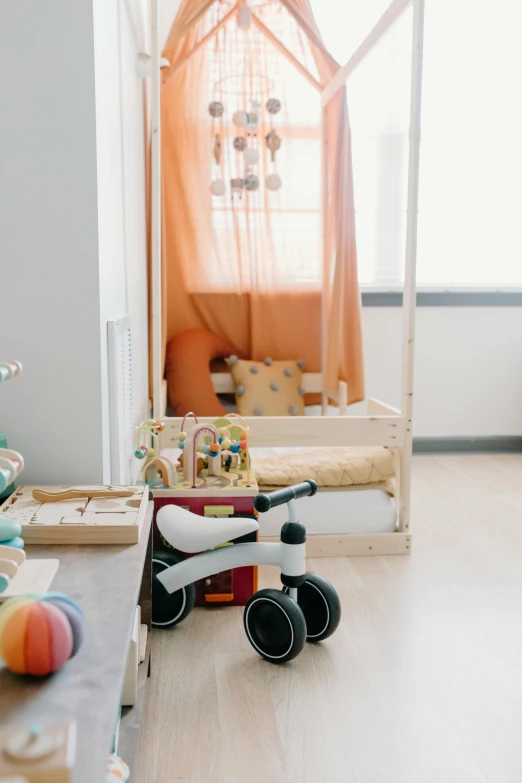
{"x":494,"y":444}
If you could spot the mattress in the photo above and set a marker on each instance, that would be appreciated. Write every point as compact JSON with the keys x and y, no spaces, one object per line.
{"x":332,"y":468}
{"x":351,"y":511}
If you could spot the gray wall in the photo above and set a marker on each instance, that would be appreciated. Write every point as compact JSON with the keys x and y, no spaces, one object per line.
{"x":49,"y":282}
{"x":73,"y":251}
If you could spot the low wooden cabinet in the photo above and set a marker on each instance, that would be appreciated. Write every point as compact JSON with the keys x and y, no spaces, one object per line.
{"x":108,"y":581}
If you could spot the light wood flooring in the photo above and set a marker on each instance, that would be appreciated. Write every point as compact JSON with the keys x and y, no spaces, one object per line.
{"x":422,"y":682}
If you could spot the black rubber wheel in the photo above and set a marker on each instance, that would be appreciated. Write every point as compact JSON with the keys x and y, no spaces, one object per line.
{"x":321,"y":607}
{"x":275,"y":625}
{"x":169,"y":609}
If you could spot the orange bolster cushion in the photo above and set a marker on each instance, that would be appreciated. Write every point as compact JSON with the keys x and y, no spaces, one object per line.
{"x":189,"y":385}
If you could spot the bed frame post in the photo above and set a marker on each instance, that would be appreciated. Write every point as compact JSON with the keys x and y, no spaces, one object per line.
{"x":155,"y":206}
{"x":325,"y":246}
{"x":409,"y":296}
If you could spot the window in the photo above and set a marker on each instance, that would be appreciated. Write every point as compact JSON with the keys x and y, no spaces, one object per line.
{"x":471,"y":155}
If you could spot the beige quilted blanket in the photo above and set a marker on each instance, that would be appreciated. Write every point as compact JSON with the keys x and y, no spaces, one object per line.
{"x":332,"y":468}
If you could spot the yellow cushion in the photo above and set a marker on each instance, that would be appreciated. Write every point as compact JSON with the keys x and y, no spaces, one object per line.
{"x":267,"y":388}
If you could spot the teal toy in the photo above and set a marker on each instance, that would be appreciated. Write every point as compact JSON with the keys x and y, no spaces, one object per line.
{"x":9,"y":529}
{"x":10,"y":489}
{"x":17,"y":542}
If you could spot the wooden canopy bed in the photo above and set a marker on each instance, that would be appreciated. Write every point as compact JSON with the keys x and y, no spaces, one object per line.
{"x":383,"y":425}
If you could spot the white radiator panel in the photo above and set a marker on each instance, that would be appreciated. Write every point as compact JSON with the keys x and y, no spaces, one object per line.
{"x":120,"y":399}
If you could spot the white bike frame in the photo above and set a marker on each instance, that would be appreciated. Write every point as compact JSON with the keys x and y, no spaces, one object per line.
{"x":291,"y":559}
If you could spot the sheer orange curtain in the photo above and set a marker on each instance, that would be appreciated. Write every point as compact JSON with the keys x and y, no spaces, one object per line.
{"x":250,"y":270}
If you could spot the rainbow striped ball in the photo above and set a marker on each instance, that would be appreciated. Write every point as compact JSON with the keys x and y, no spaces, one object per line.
{"x":39,"y":633}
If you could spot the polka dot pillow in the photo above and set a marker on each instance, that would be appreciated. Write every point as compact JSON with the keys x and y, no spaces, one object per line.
{"x":268,"y":388}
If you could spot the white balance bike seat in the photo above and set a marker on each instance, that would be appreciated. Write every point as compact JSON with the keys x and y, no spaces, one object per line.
{"x":190,"y":532}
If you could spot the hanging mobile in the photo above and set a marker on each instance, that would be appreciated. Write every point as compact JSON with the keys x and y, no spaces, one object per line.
{"x":217,"y":148}
{"x":218,"y":187}
{"x":215,"y":109}
{"x":251,"y":181}
{"x":273,"y":181}
{"x":252,"y":119}
{"x":251,"y":156}
{"x":273,"y":142}
{"x":236,"y":186}
{"x":239,"y":143}
{"x":273,"y":106}
{"x":239,"y":119}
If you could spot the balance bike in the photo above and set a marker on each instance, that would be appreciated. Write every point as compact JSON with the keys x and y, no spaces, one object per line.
{"x":277,"y":623}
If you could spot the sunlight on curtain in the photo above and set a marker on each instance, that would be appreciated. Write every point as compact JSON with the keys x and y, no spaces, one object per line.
{"x":471,"y":153}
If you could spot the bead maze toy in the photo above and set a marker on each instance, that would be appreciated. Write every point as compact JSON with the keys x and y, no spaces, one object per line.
{"x":221,"y":461}
{"x":212,"y":477}
{"x":277,"y":622}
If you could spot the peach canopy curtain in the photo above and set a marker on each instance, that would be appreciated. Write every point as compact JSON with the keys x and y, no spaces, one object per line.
{"x":251,"y":270}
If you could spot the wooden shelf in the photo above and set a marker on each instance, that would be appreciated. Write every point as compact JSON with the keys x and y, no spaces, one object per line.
{"x":108,"y":581}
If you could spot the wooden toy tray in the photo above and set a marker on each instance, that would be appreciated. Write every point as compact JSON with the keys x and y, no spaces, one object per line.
{"x":117,"y":520}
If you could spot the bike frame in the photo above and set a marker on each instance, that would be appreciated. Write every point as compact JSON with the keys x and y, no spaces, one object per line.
{"x":289,"y":557}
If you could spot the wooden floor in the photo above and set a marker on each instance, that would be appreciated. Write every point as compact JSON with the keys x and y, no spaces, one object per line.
{"x":422,"y":682}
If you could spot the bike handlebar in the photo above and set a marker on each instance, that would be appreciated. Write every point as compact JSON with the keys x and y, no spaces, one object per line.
{"x":265,"y":502}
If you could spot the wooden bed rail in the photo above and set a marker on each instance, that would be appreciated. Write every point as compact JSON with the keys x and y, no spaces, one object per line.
{"x":308,"y":431}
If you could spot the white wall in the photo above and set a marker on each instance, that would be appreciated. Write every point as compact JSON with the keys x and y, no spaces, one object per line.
{"x":468,"y":367}
{"x":48,"y":239}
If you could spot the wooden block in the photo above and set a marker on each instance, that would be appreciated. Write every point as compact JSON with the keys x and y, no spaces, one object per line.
{"x":52,"y":513}
{"x":128,"y":518}
{"x":33,"y":576}
{"x":47,"y":757}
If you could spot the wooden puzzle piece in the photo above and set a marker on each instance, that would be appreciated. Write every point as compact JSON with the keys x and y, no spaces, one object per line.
{"x":112,"y":505}
{"x":22,"y":511}
{"x":50,"y":513}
